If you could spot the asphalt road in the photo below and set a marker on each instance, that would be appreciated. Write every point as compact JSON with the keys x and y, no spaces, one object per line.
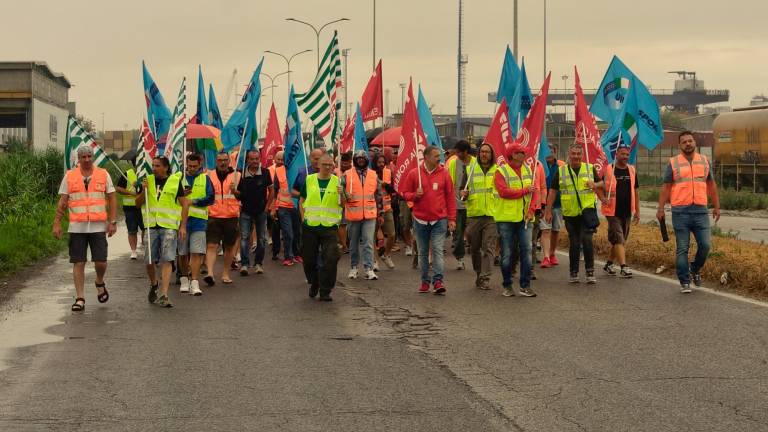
{"x":630,"y":355}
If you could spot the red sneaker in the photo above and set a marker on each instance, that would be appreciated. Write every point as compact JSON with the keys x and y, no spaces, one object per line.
{"x":297,"y":259}
{"x":439,"y":288}
{"x":545,"y":263}
{"x":553,"y":260}
{"x":424,"y":288}
{"x":287,"y":262}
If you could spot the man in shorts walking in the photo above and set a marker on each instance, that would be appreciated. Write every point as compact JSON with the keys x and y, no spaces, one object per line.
{"x":86,"y":193}
{"x":620,"y":204}
{"x":198,"y":189}
{"x":223,"y":218}
{"x":126,"y":188}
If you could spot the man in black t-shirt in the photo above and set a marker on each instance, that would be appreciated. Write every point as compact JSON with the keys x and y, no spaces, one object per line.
{"x":620,"y":204}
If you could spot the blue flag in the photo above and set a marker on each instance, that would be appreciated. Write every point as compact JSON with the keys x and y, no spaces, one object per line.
{"x":213,"y":109}
{"x":242,"y":123}
{"x":361,"y":143}
{"x":202,"y":105}
{"x":158,"y":114}
{"x":544,"y":151}
{"x":428,"y":124}
{"x":622,"y":133}
{"x":626,"y":103}
{"x":521,"y":101}
{"x":294,"y":153}
{"x":510,"y":74}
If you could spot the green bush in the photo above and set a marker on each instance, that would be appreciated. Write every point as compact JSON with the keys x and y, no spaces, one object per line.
{"x":732,"y":200}
{"x":28,"y":240}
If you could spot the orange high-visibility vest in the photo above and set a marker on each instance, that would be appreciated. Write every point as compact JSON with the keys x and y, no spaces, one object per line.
{"x":284,"y":197}
{"x":689,"y":180}
{"x":87,"y":205}
{"x":609,"y":209}
{"x":361,"y":200}
{"x":225,"y":205}
{"x":386,"y":198}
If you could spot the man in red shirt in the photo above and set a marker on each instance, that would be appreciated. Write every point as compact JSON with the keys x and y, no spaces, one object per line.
{"x":430,"y":189}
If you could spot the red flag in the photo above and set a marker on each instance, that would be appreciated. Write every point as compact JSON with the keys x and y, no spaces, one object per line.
{"x":529,"y":135}
{"x":372,"y":105}
{"x":150,"y":145}
{"x":412,"y":141}
{"x":499,"y":136}
{"x":347,"y":137}
{"x":272,"y":139}
{"x":586,"y":130}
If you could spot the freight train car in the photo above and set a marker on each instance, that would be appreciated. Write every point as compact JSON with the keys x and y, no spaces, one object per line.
{"x":741,"y":148}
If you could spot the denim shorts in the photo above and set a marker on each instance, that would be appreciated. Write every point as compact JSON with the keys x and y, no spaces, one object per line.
{"x":162,"y":245}
{"x":194,"y":243}
{"x":557,"y":215}
{"x":133,"y":219}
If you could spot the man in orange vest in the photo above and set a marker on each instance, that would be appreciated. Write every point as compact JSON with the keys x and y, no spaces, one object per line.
{"x":688,"y":182}
{"x":362,"y":190}
{"x":284,"y":212}
{"x":87,"y":194}
{"x":223,"y":217}
{"x":620,"y":203}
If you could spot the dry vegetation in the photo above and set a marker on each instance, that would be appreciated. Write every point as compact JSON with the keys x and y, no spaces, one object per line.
{"x":745,"y":262}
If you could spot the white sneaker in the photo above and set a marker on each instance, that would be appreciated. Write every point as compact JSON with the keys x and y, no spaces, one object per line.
{"x":134,"y":255}
{"x":370,"y":275}
{"x":194,"y":288}
{"x":408,"y":251}
{"x":258,"y":269}
{"x":375,"y":265}
{"x":460,"y":264}
{"x":184,"y":284}
{"x":388,"y":261}
{"x":352,"y":273}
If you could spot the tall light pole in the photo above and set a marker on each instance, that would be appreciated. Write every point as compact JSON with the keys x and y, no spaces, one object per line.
{"x":288,"y":63}
{"x":345,"y":54}
{"x":402,"y":99}
{"x":545,"y":39}
{"x":565,"y":90}
{"x":317,"y":32}
{"x":374,"y":34}
{"x":261,"y":105}
{"x":514,"y":37}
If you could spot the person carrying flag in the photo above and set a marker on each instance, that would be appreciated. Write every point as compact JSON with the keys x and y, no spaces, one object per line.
{"x":198,"y":189}
{"x":165,"y":211}
{"x":362,"y":193}
{"x":481,"y":204}
{"x":515,"y":191}
{"x":688,"y":181}
{"x":578,"y":184}
{"x":619,"y":206}
{"x":430,"y":188}
{"x":320,"y":203}
{"x":126,"y":189}
{"x":87,"y":195}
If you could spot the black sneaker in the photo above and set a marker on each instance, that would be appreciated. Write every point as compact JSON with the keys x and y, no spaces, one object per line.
{"x":275,"y":258}
{"x":609,"y":269}
{"x":313,"y":289}
{"x":325,"y":298}
{"x":591,"y":277}
{"x":152,"y":296}
{"x":574,"y":278}
{"x":626,"y":272}
{"x":685,"y":288}
{"x":527,"y":292}
{"x":696,"y":277}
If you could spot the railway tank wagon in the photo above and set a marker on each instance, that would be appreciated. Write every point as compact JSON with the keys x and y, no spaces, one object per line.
{"x":741,"y":149}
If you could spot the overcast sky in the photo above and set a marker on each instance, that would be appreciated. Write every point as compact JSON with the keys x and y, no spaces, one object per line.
{"x":99,"y":45}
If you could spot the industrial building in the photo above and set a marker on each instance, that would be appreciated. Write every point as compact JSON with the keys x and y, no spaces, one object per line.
{"x":34,"y":105}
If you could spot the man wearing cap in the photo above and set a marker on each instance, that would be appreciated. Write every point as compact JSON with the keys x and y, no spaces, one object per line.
{"x":515,"y":190}
{"x":87,"y":195}
{"x":619,"y":206}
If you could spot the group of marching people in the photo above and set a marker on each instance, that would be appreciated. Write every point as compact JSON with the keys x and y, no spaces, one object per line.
{"x":496,"y":208}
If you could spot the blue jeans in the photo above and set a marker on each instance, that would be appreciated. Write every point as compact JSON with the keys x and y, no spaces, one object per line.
{"x":361,"y":235}
{"x":511,"y":234}
{"x":684,"y":224}
{"x":285,"y":219}
{"x":431,"y":237}
{"x":246,"y":225}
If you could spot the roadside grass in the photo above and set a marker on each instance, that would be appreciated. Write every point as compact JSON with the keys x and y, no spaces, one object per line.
{"x":742,"y":262}
{"x":27,"y":240}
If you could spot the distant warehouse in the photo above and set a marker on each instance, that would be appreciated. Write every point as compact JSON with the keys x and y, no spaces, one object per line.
{"x":34,"y":102}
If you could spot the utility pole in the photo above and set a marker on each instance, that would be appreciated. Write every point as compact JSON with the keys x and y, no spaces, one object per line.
{"x":514,"y":40}
{"x":374,"y":35}
{"x":402,"y":98}
{"x":460,"y":61}
{"x":345,"y":54}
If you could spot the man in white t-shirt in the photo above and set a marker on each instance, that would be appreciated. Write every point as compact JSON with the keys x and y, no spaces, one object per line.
{"x":88,"y":196}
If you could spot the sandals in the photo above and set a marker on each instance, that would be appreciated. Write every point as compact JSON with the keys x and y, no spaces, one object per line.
{"x":78,"y":305}
{"x":103,"y":297}
{"x":209,"y":280}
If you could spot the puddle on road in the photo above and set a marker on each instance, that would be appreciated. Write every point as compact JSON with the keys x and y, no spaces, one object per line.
{"x":44,"y":301}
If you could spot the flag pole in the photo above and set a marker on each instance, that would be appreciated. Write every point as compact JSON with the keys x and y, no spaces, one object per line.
{"x":613,"y":166}
{"x":418,"y":169}
{"x":242,"y":143}
{"x":147,"y":211}
{"x":586,"y":144}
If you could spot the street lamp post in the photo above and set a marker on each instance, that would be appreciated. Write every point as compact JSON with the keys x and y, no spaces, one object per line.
{"x":345,"y":54}
{"x":402,"y":100}
{"x":565,"y":91}
{"x":288,"y":63}
{"x":317,"y":32}
{"x":261,"y":105}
